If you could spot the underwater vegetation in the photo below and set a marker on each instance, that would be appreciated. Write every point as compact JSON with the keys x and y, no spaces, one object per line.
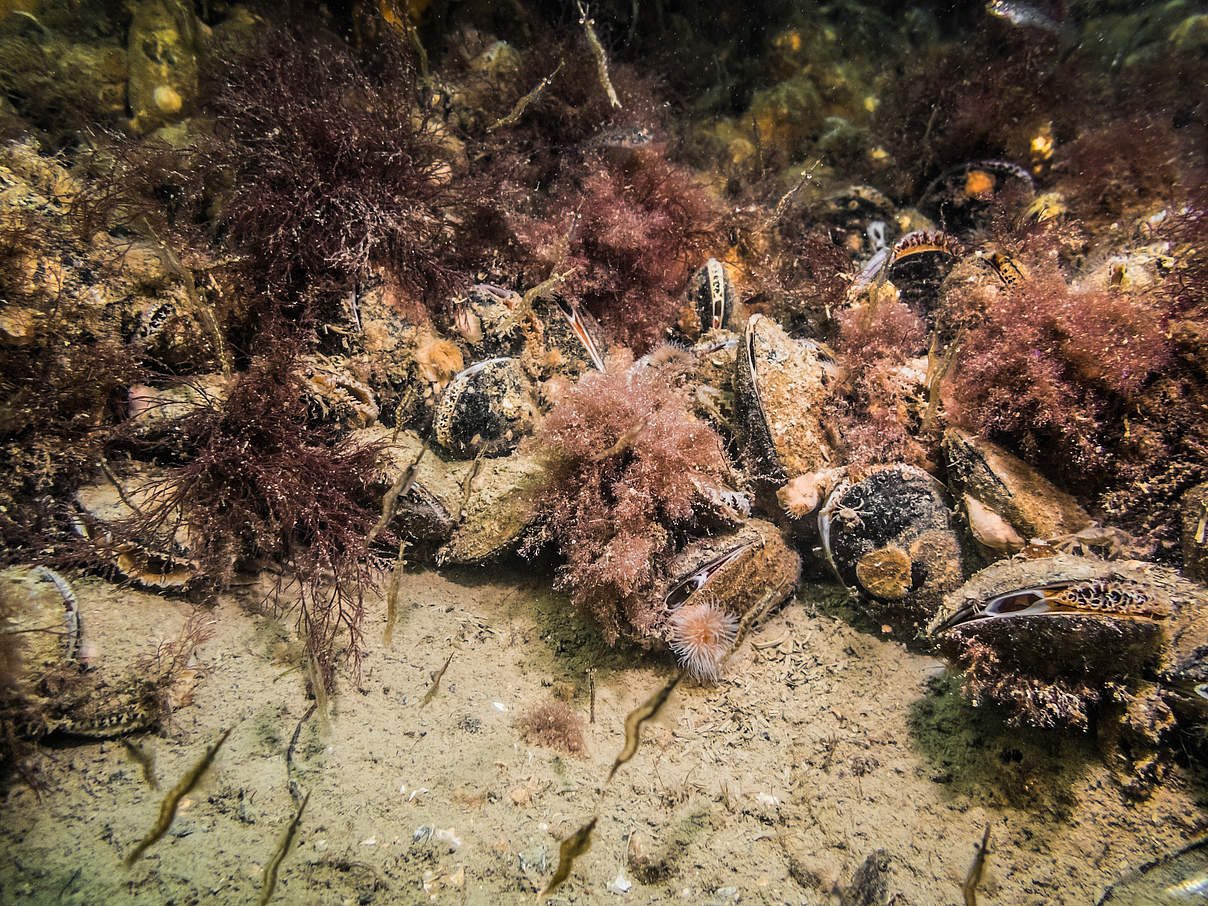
{"x":554,"y":724}
{"x":627,"y":462}
{"x":631,"y":228}
{"x":339,"y":176}
{"x":1042,"y":352}
{"x":262,"y":482}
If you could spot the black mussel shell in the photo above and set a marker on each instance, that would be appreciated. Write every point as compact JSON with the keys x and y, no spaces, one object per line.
{"x":861,"y":220}
{"x":487,"y":408}
{"x":891,"y":537}
{"x":919,"y":263}
{"x":963,"y":197}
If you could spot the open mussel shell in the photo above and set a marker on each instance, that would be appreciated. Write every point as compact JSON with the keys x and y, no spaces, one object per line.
{"x":890,"y":537}
{"x":1176,"y":879}
{"x":40,"y":620}
{"x":963,"y":197}
{"x":750,"y":567}
{"x":1043,"y":637}
{"x":1185,"y":689}
{"x":711,"y":301}
{"x":158,"y":556}
{"x":487,"y":408}
{"x":780,"y":388}
{"x":861,"y":219}
{"x":574,"y":341}
{"x":46,"y":688}
{"x":918,"y":264}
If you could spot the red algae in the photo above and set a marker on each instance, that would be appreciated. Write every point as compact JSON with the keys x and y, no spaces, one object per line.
{"x":627,"y":462}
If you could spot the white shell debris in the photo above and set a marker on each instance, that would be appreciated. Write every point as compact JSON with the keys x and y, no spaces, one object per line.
{"x":500,"y":706}
{"x":620,"y":884}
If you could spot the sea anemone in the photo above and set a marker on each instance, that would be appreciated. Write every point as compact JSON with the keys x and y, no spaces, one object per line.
{"x":701,"y":635}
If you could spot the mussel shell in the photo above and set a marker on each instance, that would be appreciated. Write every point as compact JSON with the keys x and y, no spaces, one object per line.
{"x":1180,"y":877}
{"x":962,"y":197}
{"x":497,"y":511}
{"x":162,"y":559}
{"x":890,"y":536}
{"x":487,"y":408}
{"x":861,"y":218}
{"x":573,"y":338}
{"x":780,"y":386}
{"x":494,"y":312}
{"x":1185,"y":689}
{"x":711,"y":302}
{"x":40,"y":619}
{"x":750,"y":567}
{"x":1008,"y":486}
{"x":918,"y":264}
{"x":456,"y":511}
{"x":1140,"y":617}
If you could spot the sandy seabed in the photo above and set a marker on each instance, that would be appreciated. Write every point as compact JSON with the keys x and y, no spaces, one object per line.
{"x":820,"y":745}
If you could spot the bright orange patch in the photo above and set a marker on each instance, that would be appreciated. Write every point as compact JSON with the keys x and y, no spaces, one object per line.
{"x":979,"y":184}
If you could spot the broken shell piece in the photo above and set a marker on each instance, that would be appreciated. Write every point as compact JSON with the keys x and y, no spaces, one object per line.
{"x":780,"y":386}
{"x":487,"y":408}
{"x":993,"y":534}
{"x":890,"y":536}
{"x":1002,"y":485}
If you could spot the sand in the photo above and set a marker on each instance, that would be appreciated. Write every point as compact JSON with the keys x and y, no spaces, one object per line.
{"x":821,"y":744}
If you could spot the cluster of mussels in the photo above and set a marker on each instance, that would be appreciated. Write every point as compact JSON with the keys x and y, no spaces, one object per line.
{"x":1051,"y":633}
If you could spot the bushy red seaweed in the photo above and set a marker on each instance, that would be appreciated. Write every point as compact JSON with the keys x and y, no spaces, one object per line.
{"x":555,"y":725}
{"x":264,"y":482}
{"x":874,"y":343}
{"x":1049,"y":368}
{"x":338,"y":173}
{"x":627,"y":462}
{"x":1117,"y":169}
{"x":637,"y":226}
